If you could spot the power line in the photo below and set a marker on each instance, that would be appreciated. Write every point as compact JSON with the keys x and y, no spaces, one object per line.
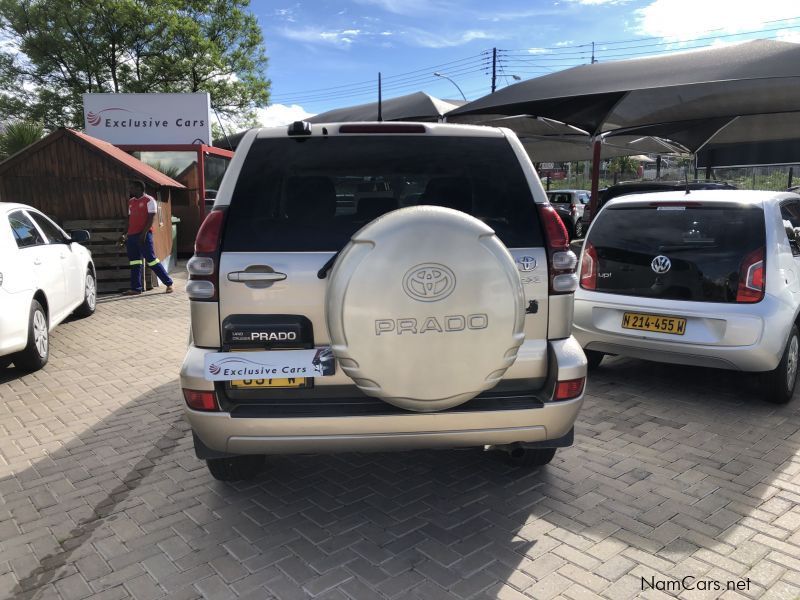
{"x":371,"y":89}
{"x":430,"y":69}
{"x":520,"y":60}
{"x":644,"y":39}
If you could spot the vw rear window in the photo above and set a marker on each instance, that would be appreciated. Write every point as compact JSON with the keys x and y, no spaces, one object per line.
{"x":705,"y":246}
{"x":313,"y":194}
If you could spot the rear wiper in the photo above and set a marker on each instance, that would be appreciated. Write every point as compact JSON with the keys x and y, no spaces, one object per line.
{"x":323,"y":272}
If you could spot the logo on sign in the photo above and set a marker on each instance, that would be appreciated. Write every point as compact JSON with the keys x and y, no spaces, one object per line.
{"x":526,"y":263}
{"x":661,"y":264}
{"x":429,"y":282}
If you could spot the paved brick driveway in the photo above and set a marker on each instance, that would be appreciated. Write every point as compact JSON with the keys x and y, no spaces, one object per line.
{"x":675,"y":472}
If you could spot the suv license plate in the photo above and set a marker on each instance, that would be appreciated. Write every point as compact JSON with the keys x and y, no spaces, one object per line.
{"x":295,"y":382}
{"x":658,"y":323}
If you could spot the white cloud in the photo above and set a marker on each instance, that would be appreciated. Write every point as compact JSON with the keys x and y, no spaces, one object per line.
{"x":410,"y":7}
{"x":315,"y":35}
{"x":565,"y":43}
{"x":427,"y":39}
{"x":281,"y":114}
{"x":598,"y":2}
{"x":788,"y":35}
{"x":538,"y":51}
{"x":687,"y":19}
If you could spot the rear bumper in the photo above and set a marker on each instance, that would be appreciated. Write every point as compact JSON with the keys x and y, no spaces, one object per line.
{"x":736,"y":337}
{"x":222,"y":432}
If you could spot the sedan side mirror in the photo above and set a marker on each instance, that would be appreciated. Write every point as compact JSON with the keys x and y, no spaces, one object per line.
{"x":79,"y":235}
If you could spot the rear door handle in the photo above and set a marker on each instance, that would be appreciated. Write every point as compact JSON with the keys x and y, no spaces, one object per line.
{"x":250,"y":277}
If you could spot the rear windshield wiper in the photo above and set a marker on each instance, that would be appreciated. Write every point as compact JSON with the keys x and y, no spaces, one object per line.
{"x":323,"y":272}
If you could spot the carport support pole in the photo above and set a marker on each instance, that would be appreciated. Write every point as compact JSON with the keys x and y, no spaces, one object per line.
{"x":595,"y":177}
{"x":658,"y":167}
{"x":791,"y":176}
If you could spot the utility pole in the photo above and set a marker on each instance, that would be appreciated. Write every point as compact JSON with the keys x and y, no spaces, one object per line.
{"x":494,"y":69}
{"x":594,"y":60}
{"x":380,"y":100}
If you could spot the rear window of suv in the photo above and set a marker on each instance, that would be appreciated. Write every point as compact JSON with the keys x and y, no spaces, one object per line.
{"x":705,"y":246}
{"x":313,"y":194}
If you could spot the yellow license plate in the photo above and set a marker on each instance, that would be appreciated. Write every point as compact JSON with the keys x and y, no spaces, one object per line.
{"x":295,"y":382}
{"x":658,"y":323}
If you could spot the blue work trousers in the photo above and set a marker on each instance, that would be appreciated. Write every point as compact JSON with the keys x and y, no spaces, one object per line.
{"x":137,"y":254}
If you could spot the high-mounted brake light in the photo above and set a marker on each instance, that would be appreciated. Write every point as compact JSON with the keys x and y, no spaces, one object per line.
{"x":563,"y":261}
{"x":752,"y":277}
{"x":383,"y":128}
{"x":203,"y":267}
{"x":589,"y":265}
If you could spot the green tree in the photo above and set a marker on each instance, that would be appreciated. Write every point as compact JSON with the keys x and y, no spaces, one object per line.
{"x":71,"y":47}
{"x":19,"y":135}
{"x":623,"y":165}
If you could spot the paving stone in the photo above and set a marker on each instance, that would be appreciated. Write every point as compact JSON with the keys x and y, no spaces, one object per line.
{"x":675,"y":471}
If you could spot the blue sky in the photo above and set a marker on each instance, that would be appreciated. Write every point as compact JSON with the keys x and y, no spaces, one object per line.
{"x":326,"y":54}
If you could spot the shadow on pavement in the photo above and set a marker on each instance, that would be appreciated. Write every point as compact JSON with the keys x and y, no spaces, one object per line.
{"x":670,"y":475}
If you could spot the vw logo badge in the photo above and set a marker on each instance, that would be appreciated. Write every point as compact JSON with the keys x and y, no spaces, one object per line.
{"x":661,"y":264}
{"x":526,"y":263}
{"x":429,"y":282}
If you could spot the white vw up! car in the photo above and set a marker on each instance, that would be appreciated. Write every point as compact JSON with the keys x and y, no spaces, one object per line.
{"x":709,"y":278}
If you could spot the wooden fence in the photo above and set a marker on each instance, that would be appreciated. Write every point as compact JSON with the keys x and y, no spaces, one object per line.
{"x":109,"y":255}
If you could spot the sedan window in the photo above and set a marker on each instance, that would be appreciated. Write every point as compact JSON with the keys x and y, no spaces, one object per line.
{"x":51,"y":230}
{"x":25,"y":232}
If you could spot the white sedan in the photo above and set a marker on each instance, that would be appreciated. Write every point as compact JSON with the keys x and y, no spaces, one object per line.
{"x":45,"y":276}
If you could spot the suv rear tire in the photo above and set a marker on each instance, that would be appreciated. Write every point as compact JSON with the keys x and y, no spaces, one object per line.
{"x":235,"y":468}
{"x":778,"y":385}
{"x":530,"y":457}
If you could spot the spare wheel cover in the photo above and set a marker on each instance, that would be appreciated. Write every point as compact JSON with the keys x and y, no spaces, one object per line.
{"x":425,"y":308}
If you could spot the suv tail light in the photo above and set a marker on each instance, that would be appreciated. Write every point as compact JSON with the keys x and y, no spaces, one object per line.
{"x":589,"y":267}
{"x":563,"y":261}
{"x":571,"y":388}
{"x":201,"y":400}
{"x":752,"y":277}
{"x":573,"y":210}
{"x":203,"y":267}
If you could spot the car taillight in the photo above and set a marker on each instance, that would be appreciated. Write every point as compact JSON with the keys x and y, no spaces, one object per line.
{"x":563,"y":261}
{"x":569,"y":389}
{"x":203,"y":267}
{"x":752,"y":277}
{"x":210,"y":232}
{"x":589,"y":264}
{"x":573,"y":210}
{"x":201,"y":400}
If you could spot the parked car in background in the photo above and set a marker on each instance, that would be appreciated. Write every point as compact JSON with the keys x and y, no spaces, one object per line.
{"x":711,"y":279}
{"x":644,"y":187}
{"x":570,"y":206}
{"x":45,"y":276}
{"x":405,"y":319}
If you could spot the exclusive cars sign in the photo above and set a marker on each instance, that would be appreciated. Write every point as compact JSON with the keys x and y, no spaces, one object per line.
{"x":148,"y":118}
{"x":231,"y":366}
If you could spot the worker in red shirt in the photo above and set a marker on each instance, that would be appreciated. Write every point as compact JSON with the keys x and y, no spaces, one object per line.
{"x":141,"y":212}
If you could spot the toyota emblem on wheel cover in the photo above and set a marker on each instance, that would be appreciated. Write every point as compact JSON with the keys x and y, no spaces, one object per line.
{"x":429,"y":282}
{"x":661,"y":264}
{"x":526,"y":263}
